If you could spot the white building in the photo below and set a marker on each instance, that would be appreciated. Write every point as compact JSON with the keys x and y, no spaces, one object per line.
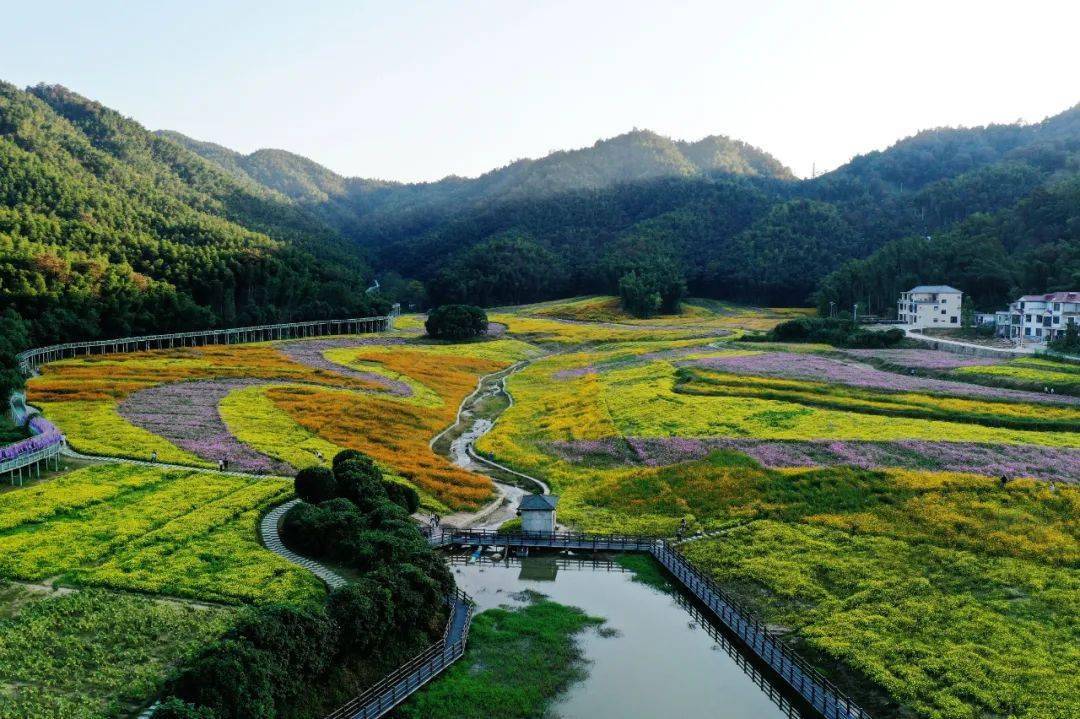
{"x":1041,"y":318}
{"x":930,"y":306}
{"x":537,"y":512}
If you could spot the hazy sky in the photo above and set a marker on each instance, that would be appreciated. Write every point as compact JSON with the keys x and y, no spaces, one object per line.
{"x":419,"y":90}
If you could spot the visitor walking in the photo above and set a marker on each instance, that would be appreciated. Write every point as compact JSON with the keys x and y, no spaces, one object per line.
{"x":153,"y":456}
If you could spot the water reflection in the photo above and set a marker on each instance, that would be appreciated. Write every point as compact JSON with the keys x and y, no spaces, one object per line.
{"x":667,"y":659}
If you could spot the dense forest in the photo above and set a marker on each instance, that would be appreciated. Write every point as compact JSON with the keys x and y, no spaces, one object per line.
{"x":997,"y":202}
{"x":108,"y":230}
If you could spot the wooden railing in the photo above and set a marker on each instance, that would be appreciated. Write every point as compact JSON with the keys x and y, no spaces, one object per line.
{"x":44,"y":445}
{"x":31,"y":359}
{"x":552,"y":540}
{"x":805,"y":681}
{"x":395,"y":687}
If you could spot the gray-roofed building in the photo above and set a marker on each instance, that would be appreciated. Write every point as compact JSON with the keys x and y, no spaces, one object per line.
{"x":537,"y":512}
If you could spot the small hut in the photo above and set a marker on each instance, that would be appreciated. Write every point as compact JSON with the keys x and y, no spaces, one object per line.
{"x":537,"y":512}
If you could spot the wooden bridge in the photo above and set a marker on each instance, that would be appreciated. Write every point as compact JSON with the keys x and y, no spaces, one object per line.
{"x":30,"y":360}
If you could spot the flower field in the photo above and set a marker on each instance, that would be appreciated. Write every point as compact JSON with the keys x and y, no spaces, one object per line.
{"x":1030,"y":372}
{"x":181,"y":533}
{"x":944,"y":633}
{"x":852,"y":496}
{"x":92,"y":653}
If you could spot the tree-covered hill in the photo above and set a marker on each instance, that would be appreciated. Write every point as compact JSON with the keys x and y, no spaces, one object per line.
{"x":107,"y":229}
{"x":993,"y":211}
{"x":375,"y":211}
{"x":729,"y":218}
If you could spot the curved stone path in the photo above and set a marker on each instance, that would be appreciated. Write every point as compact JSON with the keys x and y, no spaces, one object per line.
{"x":268,"y":531}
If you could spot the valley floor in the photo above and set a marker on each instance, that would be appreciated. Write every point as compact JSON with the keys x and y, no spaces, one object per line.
{"x":853,"y":497}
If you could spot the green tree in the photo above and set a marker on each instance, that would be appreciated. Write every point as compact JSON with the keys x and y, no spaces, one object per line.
{"x":456,"y":322}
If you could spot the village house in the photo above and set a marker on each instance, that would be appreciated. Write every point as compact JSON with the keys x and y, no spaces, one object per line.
{"x":929,"y":306}
{"x":1042,"y":318}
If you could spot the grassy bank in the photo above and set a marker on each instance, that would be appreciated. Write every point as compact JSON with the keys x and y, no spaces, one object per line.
{"x":517,"y":663}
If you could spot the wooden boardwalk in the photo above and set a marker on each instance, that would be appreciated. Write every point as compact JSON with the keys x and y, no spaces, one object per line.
{"x":393,"y":689}
{"x":805,"y":681}
{"x":31,"y":359}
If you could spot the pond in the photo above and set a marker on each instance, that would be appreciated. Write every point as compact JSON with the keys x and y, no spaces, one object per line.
{"x":664,"y":659}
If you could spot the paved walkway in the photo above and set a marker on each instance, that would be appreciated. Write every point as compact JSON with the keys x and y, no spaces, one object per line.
{"x":962,"y":347}
{"x":268,"y":530}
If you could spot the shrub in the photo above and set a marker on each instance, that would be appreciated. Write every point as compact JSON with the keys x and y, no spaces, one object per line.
{"x":363,"y":613}
{"x":346,"y":454}
{"x":456,"y":322}
{"x":320,"y":531}
{"x":839,"y":332}
{"x":231,"y":677}
{"x":315,"y":484}
{"x":174,"y":708}
{"x":360,"y":481}
{"x":403,"y":496}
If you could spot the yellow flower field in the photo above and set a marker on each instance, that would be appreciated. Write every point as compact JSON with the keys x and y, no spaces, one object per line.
{"x":183,"y":533}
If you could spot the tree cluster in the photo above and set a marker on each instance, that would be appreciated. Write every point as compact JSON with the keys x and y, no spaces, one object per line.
{"x":284,"y":661}
{"x":839,"y":332}
{"x":456,"y":322}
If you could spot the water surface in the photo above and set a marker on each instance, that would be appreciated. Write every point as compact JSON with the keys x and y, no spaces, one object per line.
{"x":663,"y":662}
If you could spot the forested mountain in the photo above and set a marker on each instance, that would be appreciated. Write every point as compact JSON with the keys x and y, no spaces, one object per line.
{"x":993,"y":211}
{"x":375,"y":211}
{"x":728,"y":217}
{"x":107,"y":229}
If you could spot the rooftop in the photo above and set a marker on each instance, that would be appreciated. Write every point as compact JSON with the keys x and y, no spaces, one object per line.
{"x":939,"y":289}
{"x":1052,"y":297}
{"x":538,"y":502}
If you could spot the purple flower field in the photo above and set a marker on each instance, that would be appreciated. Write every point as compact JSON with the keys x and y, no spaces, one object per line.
{"x":186,"y":414}
{"x":992,"y":460}
{"x":310,"y":353}
{"x":925,"y":359}
{"x":856,"y":374}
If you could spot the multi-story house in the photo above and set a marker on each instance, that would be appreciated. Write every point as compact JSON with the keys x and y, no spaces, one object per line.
{"x":1041,"y":318}
{"x":930,"y":306}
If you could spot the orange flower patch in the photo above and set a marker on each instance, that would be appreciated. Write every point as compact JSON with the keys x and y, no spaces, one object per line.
{"x":394,"y":432}
{"x":114,"y":377}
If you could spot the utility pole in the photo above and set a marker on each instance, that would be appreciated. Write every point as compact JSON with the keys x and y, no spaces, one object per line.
{"x":855,"y":314}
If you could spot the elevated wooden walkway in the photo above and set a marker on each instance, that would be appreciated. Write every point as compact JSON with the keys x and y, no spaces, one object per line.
{"x":394,"y":688}
{"x":31,"y":359}
{"x":805,"y":681}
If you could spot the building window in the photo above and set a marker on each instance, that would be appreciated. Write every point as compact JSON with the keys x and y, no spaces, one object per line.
{"x":1057,"y":307}
{"x":943,"y":312}
{"x":1027,"y":331}
{"x":1027,"y":318}
{"x":1038,"y":332}
{"x":1057,"y":320}
{"x":953,"y":319}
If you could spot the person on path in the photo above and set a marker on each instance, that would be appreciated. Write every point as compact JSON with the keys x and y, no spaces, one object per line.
{"x":153,"y":456}
{"x":1004,"y":481}
{"x":221,"y":465}
{"x":225,"y":464}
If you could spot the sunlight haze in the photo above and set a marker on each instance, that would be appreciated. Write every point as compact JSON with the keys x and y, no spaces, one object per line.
{"x":416,"y":91}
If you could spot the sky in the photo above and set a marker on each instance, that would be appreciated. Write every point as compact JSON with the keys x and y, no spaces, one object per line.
{"x":416,"y":91}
